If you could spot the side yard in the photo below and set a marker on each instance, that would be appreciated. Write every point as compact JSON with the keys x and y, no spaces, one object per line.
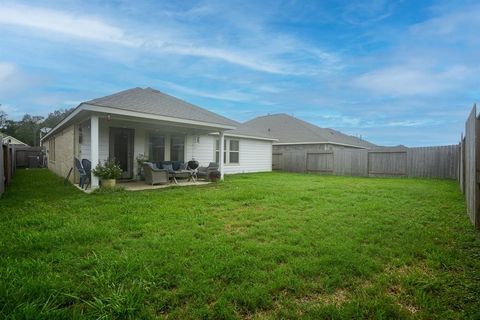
{"x":256,"y":246}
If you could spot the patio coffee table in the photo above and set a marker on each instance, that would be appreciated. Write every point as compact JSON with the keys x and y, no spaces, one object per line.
{"x":190,"y":174}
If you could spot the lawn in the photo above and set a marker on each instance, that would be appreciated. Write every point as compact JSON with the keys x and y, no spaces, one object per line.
{"x":257,"y":246}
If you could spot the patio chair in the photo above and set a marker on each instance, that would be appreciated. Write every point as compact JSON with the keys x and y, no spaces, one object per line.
{"x":204,"y":172}
{"x":81,"y":171}
{"x":154,"y":175}
{"x":87,"y":166}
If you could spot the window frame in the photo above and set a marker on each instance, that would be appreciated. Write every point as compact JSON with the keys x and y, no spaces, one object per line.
{"x":227,"y":151}
{"x":172,"y":146}
{"x":150,"y":149}
{"x":230,"y":151}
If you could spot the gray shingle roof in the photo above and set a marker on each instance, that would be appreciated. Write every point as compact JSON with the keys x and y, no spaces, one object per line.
{"x":155,"y":102}
{"x":288,"y":129}
{"x":250,"y":132}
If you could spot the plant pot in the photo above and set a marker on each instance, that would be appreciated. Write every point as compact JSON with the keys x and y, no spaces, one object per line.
{"x":108,"y":183}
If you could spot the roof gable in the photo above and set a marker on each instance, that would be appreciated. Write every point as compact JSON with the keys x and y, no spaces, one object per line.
{"x":288,"y":129}
{"x":155,"y":102}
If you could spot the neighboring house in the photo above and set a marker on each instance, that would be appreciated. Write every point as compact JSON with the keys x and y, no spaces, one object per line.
{"x":14,"y":141}
{"x":297,"y":137}
{"x":148,"y":122}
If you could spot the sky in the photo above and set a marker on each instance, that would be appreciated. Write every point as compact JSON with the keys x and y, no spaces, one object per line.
{"x":392,"y":72}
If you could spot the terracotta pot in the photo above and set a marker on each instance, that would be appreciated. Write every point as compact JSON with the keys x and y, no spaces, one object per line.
{"x":108,"y":183}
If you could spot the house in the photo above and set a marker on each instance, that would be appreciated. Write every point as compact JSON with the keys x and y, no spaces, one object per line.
{"x":145,"y":121}
{"x":297,"y":137}
{"x":12,"y":140}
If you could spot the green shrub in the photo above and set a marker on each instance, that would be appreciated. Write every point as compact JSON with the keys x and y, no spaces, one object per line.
{"x":109,"y":170}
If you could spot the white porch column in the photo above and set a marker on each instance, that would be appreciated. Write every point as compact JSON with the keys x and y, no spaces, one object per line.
{"x":94,"y":148}
{"x":221,"y":153}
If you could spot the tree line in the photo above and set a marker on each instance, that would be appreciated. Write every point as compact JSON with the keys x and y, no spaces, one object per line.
{"x":28,"y":128}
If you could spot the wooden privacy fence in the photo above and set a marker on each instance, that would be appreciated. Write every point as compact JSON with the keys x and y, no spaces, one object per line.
{"x":16,"y":156}
{"x":470,"y":166}
{"x":431,"y":162}
{"x":7,"y":166}
{"x":29,"y":157}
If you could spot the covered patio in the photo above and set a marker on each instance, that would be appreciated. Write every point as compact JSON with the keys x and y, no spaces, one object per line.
{"x":145,"y":125}
{"x":129,"y":131}
{"x":127,"y":139}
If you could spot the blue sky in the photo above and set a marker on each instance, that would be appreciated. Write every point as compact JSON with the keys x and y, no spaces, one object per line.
{"x":394,"y":72}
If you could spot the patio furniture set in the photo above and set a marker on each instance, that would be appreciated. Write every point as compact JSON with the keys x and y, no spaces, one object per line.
{"x":165,"y":171}
{"x":162,"y":172}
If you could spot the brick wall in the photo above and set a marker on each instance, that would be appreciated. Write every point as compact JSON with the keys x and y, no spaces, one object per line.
{"x":64,"y":152}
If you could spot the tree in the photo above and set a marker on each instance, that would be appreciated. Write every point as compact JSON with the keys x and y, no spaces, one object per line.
{"x":28,"y":129}
{"x":3,"y":119}
{"x":55,"y":117}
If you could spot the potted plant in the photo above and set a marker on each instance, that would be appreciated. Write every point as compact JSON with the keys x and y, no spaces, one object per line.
{"x":141,"y":159}
{"x":108,"y":172}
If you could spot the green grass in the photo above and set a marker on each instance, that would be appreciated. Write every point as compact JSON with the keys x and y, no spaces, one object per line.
{"x":258,"y":246}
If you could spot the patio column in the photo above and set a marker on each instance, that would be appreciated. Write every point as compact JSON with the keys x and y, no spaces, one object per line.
{"x":94,"y":148}
{"x":221,"y":153}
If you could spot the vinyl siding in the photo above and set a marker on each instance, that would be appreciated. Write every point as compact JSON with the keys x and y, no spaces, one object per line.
{"x":255,"y":155}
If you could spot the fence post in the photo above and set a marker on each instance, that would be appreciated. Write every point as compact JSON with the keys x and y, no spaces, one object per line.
{"x":2,"y":171}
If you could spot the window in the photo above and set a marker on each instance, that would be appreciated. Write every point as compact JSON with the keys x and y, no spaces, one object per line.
{"x":231,"y":153}
{"x":217,"y":151}
{"x":51,"y":149}
{"x":156,"y":148}
{"x":177,"y":148}
{"x":234,"y":156}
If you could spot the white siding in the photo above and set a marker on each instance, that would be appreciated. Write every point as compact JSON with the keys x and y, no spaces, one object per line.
{"x":202,"y":151}
{"x":255,"y":155}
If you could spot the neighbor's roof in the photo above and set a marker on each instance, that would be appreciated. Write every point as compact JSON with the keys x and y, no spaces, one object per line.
{"x":290,"y":130}
{"x":11,"y":140}
{"x":243,"y":131}
{"x":155,"y":102}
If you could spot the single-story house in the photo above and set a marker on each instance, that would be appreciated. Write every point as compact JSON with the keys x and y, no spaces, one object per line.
{"x":13,"y":140}
{"x":146,"y":122}
{"x":295,"y":137}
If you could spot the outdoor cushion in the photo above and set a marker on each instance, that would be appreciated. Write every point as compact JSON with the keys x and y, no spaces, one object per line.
{"x":176,"y":165}
{"x":183,"y":166}
{"x":168,"y":167}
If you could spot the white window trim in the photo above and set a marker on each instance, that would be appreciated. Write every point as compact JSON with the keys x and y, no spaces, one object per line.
{"x":150,"y":134}
{"x":227,"y":151}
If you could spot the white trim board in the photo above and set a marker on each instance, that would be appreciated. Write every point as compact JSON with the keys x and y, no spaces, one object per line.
{"x":136,"y":114}
{"x":244,"y":136}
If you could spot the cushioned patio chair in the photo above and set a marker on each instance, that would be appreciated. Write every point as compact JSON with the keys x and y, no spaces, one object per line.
{"x":154,"y":175}
{"x":204,"y":172}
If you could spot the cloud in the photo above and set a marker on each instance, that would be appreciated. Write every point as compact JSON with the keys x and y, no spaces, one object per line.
{"x":362,"y":13}
{"x":458,"y":23}
{"x":279,"y":55}
{"x":12,"y":112}
{"x":65,"y":23}
{"x":227,"y":95}
{"x":410,"y":80}
{"x":12,"y":80}
{"x":6,"y":71}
